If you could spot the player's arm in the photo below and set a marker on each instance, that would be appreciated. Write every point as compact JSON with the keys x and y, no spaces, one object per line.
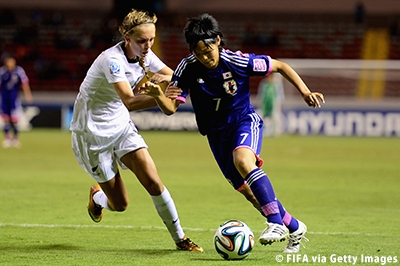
{"x":140,"y":102}
{"x":27,"y":92}
{"x":311,"y":98}
{"x":132,"y":102}
{"x":162,"y":76}
{"x":166,"y":104}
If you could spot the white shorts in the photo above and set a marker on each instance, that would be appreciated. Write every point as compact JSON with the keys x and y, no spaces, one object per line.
{"x":99,"y":156}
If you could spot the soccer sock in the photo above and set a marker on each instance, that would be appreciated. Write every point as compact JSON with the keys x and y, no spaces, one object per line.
{"x":6,"y":129}
{"x":166,"y":209}
{"x":291,"y":223}
{"x":100,"y":198}
{"x":15,"y":129}
{"x":265,"y":195}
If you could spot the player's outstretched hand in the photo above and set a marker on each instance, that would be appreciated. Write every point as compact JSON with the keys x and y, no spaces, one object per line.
{"x":172,"y":91}
{"x":313,"y":99}
{"x":160,"y":78}
{"x":151,"y":89}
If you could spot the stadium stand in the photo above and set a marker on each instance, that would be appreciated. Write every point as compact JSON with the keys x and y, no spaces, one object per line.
{"x":57,"y":48}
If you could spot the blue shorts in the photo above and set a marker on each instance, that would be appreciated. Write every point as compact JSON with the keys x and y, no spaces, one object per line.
{"x":246,"y":133}
{"x":10,"y":108}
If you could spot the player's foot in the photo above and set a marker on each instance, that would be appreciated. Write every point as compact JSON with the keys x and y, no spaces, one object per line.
{"x":15,"y":143}
{"x":6,"y":143}
{"x":189,"y":245}
{"x":295,"y":238}
{"x":95,"y":211}
{"x":274,"y":233}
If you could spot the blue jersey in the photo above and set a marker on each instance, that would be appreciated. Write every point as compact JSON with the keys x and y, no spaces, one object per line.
{"x":10,"y":83}
{"x":220,"y":97}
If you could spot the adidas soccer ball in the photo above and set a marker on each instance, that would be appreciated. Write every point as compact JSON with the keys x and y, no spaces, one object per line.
{"x":234,"y":240}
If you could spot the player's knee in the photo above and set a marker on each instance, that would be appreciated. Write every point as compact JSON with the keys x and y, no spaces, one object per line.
{"x":240,"y":163}
{"x":154,"y":187}
{"x":121,"y":206}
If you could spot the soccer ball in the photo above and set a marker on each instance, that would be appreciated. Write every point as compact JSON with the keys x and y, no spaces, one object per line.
{"x":234,"y":240}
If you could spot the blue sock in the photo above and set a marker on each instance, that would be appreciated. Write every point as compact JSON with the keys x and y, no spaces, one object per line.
{"x":291,"y":223}
{"x":262,"y":189}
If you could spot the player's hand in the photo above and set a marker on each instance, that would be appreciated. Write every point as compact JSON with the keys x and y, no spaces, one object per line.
{"x":172,"y":91}
{"x":313,"y":99}
{"x":160,"y":78}
{"x":151,"y":89}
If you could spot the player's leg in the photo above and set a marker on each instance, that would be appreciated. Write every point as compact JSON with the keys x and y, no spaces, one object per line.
{"x":14,"y":106}
{"x":6,"y":130}
{"x":142,"y":165}
{"x":290,"y":222}
{"x":297,"y":230}
{"x":109,"y":192}
{"x":248,"y":141}
{"x":15,"y":131}
{"x":6,"y":116}
{"x":111,"y":195}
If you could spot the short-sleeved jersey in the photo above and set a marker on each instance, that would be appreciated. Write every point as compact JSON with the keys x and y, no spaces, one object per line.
{"x":10,"y":83}
{"x":220,"y":97}
{"x":98,"y":109}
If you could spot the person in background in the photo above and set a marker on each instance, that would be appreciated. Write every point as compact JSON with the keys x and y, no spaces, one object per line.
{"x":271,"y":97}
{"x":103,"y":134}
{"x":219,"y":86}
{"x":12,"y":79}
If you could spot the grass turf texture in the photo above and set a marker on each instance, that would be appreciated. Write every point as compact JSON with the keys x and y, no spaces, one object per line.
{"x":344,"y":189}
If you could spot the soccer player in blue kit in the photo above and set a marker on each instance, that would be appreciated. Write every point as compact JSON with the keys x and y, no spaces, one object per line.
{"x":218,"y":83}
{"x":12,"y":78}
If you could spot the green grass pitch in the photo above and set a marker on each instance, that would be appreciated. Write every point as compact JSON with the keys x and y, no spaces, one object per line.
{"x":345,"y":189}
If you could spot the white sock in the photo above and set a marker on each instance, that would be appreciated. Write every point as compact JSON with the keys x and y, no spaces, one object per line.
{"x":166,"y":209}
{"x":100,"y":198}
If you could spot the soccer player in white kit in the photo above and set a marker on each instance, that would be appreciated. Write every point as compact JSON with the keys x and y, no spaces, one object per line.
{"x":103,"y":134}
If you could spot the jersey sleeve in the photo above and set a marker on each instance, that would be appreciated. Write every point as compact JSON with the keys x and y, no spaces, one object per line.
{"x":22,"y":75}
{"x":113,"y":68}
{"x":179,"y":82}
{"x":178,"y":79}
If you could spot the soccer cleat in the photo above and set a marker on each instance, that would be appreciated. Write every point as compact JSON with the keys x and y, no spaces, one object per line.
{"x":6,"y":143}
{"x":273,"y":233}
{"x":16,"y":144}
{"x":95,"y":211}
{"x":295,"y":238}
{"x":189,"y":245}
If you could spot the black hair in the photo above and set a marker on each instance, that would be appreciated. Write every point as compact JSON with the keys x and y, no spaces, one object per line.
{"x":202,"y":28}
{"x":7,"y":55}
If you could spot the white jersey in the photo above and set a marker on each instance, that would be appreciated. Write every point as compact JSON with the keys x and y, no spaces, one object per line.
{"x":98,"y":110}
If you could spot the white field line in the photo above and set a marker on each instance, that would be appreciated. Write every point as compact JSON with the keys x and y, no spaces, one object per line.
{"x":161,"y":228}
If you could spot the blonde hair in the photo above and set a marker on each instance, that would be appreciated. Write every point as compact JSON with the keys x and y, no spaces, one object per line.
{"x":135,"y":18}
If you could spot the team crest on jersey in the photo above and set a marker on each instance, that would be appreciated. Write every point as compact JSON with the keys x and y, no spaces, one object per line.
{"x":230,"y":87}
{"x":259,"y":65}
{"x":114,"y":67}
